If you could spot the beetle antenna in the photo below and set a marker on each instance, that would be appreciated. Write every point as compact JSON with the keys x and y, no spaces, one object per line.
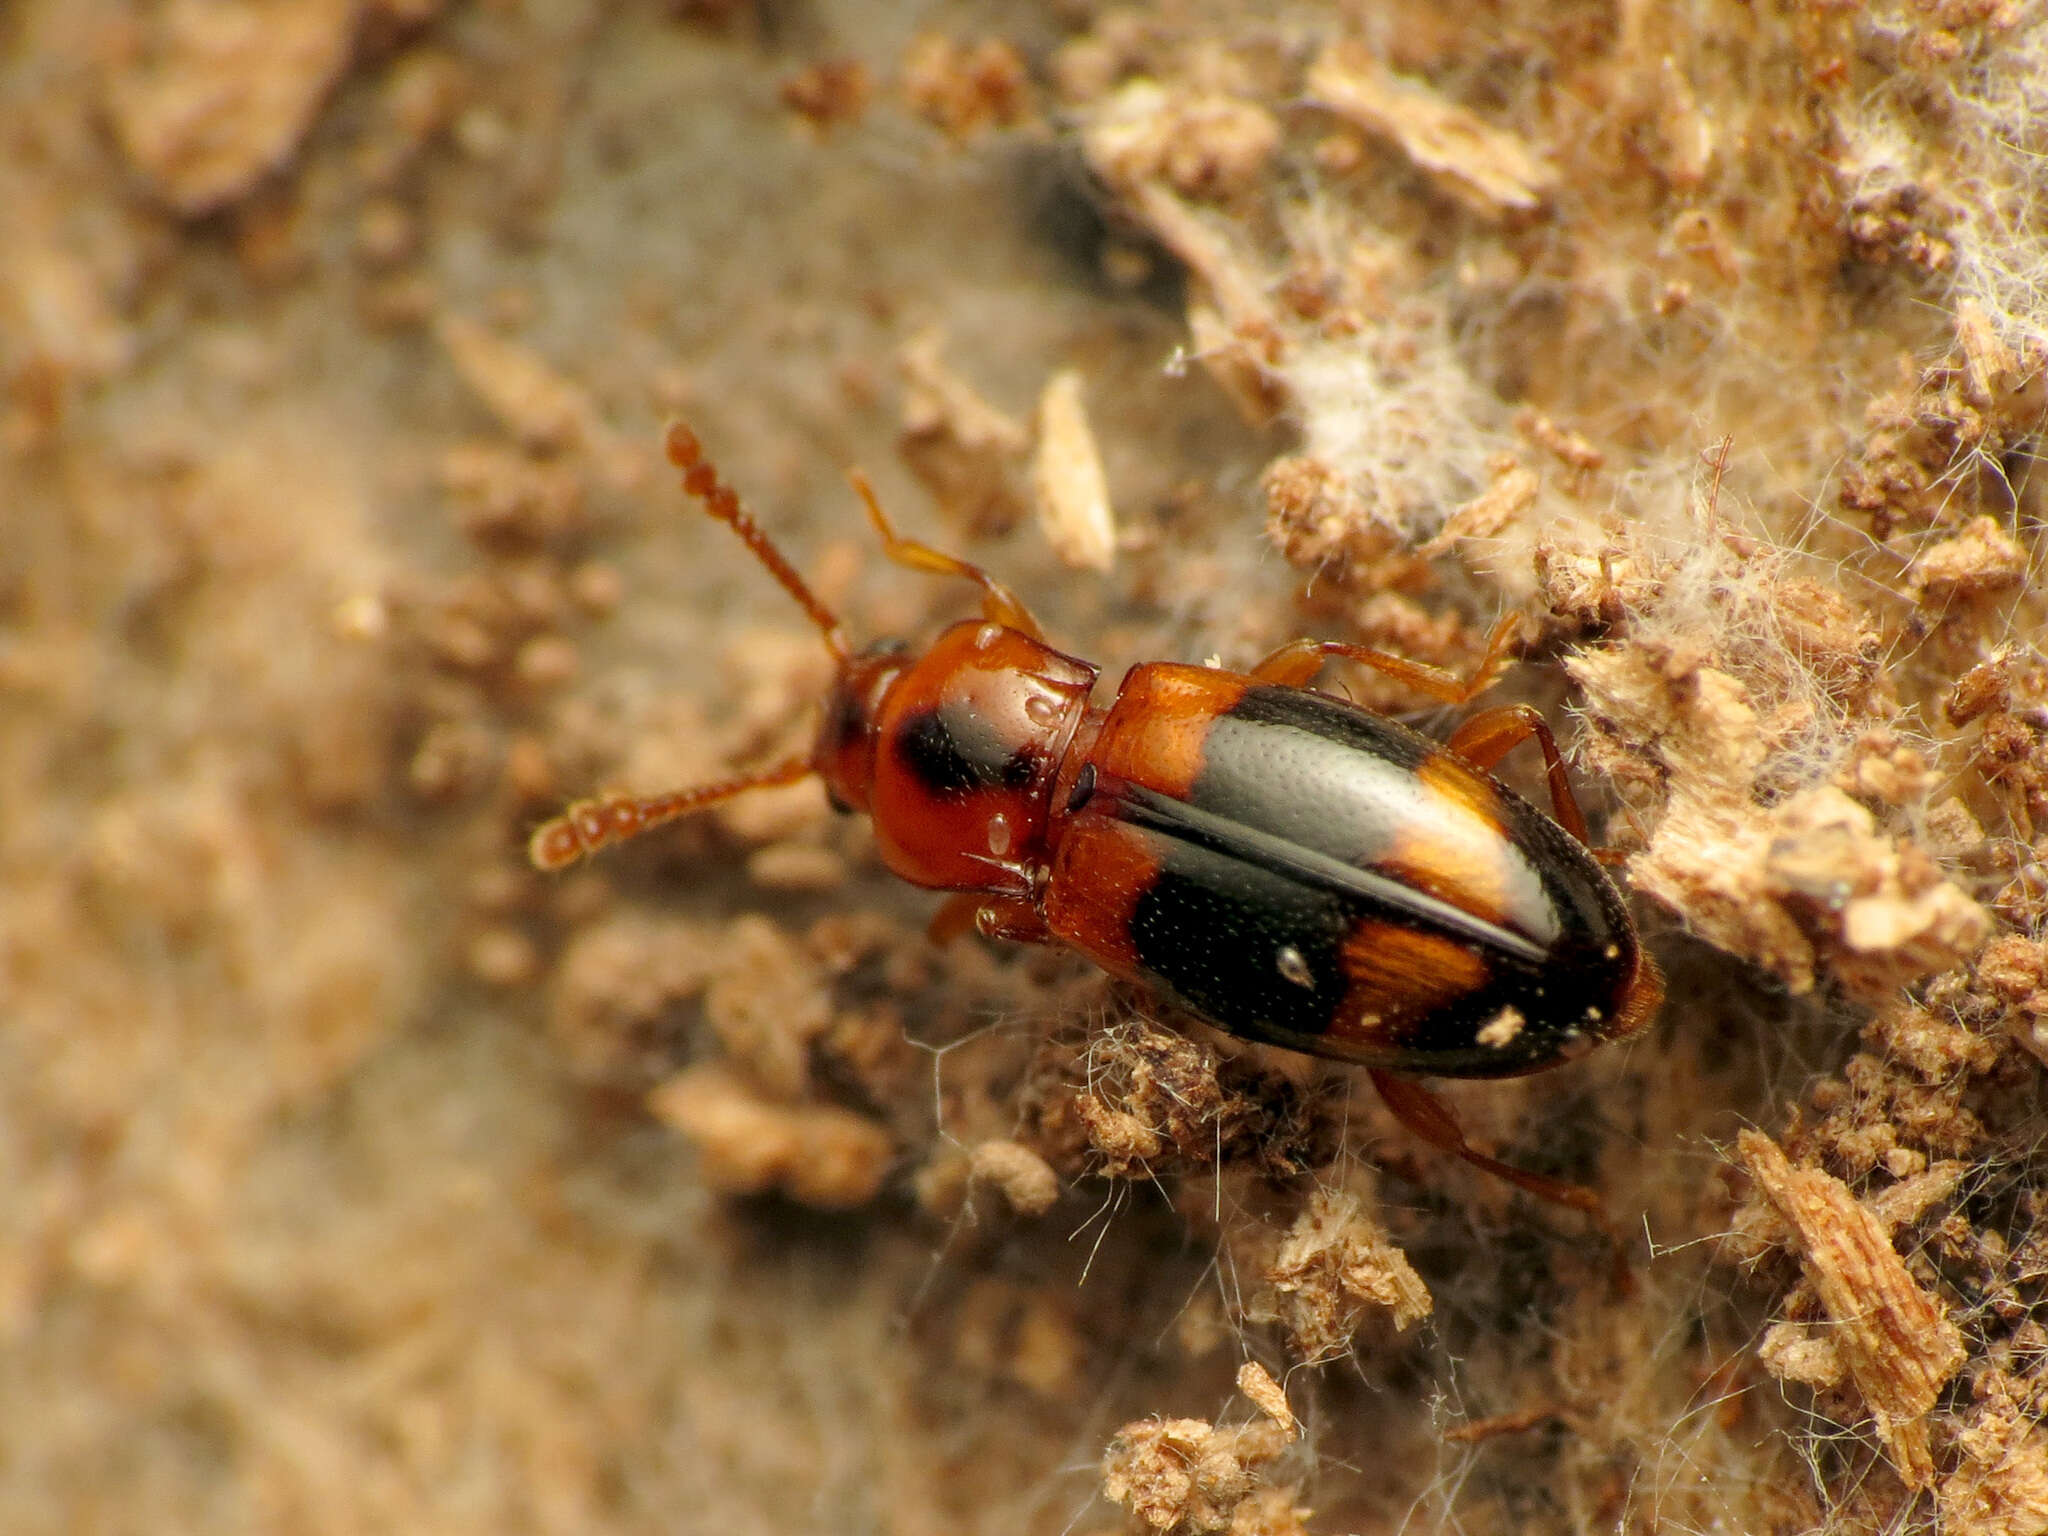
{"x":589,"y":825}
{"x":702,"y":480}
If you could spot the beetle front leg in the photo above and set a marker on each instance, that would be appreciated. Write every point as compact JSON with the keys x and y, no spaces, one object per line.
{"x":1296,"y":664}
{"x":998,"y":602}
{"x":993,"y":917}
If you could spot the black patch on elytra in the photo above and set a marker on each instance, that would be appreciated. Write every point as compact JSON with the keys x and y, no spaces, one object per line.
{"x":1212,"y":928}
{"x":1278,"y":844}
{"x":953,"y":752}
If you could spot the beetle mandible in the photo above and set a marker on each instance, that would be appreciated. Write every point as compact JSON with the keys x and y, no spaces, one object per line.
{"x":1292,"y":868}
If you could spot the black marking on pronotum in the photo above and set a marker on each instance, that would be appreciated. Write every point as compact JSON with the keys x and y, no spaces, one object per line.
{"x":954,"y":752}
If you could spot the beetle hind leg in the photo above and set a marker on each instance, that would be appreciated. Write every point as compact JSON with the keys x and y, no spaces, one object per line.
{"x":1430,"y":1118}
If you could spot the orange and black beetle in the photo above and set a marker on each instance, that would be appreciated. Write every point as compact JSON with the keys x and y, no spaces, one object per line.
{"x":1293,"y":868}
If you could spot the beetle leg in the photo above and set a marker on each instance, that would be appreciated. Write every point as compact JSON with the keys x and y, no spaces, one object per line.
{"x":1492,"y":733}
{"x":1430,"y":1118}
{"x":993,"y":917}
{"x":998,"y":602}
{"x":1296,"y":663}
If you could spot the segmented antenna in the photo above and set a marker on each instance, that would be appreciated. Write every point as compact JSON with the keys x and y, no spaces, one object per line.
{"x":589,"y":825}
{"x":701,"y":480}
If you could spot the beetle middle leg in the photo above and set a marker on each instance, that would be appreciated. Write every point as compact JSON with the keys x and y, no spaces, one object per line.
{"x":1493,"y":733}
{"x":1484,"y":739}
{"x":998,"y":602}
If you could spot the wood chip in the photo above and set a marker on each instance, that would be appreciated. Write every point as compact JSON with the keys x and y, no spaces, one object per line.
{"x":1069,"y":489}
{"x":1488,"y":169}
{"x":206,"y":99}
{"x":1257,"y":1383}
{"x":954,"y":441}
{"x":1235,"y":331}
{"x":1894,"y":1340}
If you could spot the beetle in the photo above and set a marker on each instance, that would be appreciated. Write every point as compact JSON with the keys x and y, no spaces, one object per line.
{"x":1291,"y":867}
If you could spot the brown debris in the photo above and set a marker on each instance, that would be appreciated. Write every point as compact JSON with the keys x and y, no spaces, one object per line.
{"x":1900,"y":221}
{"x":503,"y":497}
{"x":767,"y":1003}
{"x":1157,"y":1100}
{"x":1935,"y":451}
{"x":962,"y":448}
{"x":1791,"y":881}
{"x":1591,"y":577}
{"x":1487,"y":169}
{"x":533,"y":402}
{"x":1027,"y":1181}
{"x":1883,"y":901}
{"x":1883,"y":771}
{"x":1202,"y":144}
{"x":544,"y":411}
{"x":815,"y":1154}
{"x":2006,"y":698}
{"x":1335,"y":1268}
{"x":1257,"y":1383}
{"x":1981,"y":560}
{"x":1124,"y":1142}
{"x":828,"y":94}
{"x":623,"y":997}
{"x":1892,"y":1338}
{"x":1881,"y":1114}
{"x":1508,"y":499}
{"x":1189,"y":1478}
{"x":964,"y":89}
{"x":2014,"y":970}
{"x":1316,"y":519}
{"x":1985,"y":687}
{"x":2000,"y":1487}
{"x":208,"y":97}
